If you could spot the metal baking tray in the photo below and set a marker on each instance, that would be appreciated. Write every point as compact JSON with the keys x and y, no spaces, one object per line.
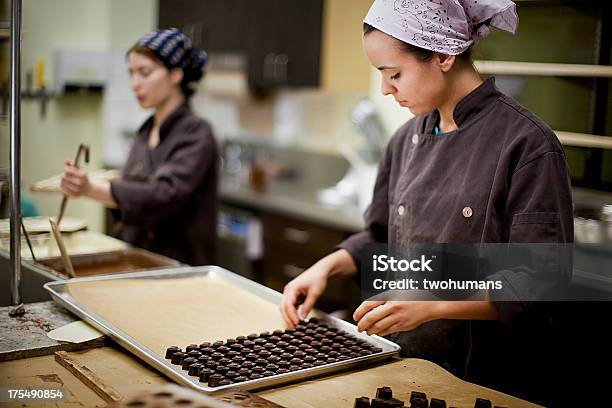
{"x":60,"y":294}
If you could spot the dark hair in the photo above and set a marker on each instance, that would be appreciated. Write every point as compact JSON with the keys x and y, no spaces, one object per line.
{"x":190,"y":73}
{"x":422,"y":54}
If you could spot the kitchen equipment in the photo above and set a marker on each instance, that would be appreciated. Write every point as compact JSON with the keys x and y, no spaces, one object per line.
{"x":189,"y":305}
{"x":77,"y":243}
{"x":593,"y":225}
{"x":40,"y":225}
{"x":126,"y":260}
{"x":365,"y":118}
{"x":82,"y":148}
{"x":27,"y":237}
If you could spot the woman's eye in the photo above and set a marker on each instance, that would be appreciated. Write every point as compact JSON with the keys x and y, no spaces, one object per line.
{"x":395,"y":76}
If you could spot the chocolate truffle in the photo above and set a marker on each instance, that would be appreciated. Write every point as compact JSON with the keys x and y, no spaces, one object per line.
{"x":187,"y":362}
{"x":171,"y":350}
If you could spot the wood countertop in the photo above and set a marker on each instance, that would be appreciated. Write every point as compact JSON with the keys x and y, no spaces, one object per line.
{"x":129,"y":377}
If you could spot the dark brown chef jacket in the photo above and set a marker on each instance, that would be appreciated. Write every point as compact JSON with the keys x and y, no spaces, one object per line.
{"x":501,"y":177}
{"x":167,"y":197}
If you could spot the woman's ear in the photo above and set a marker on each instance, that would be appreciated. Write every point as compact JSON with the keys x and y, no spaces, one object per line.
{"x":176,"y":75}
{"x":446,"y":62}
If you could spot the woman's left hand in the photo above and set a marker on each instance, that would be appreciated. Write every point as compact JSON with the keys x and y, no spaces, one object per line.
{"x":386,"y":317}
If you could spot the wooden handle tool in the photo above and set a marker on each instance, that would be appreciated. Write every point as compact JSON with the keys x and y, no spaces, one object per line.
{"x":60,"y":244}
{"x":82,"y":148}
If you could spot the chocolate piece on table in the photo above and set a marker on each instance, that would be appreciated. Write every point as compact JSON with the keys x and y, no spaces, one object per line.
{"x":225,"y":382}
{"x":437,"y":403}
{"x":221,"y":370}
{"x":362,"y":402}
{"x":384,"y":393}
{"x":256,"y":376}
{"x":482,"y":403}
{"x":240,"y":378}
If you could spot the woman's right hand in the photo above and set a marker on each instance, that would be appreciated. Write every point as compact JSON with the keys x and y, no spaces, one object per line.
{"x":300,"y":295}
{"x":75,"y":182}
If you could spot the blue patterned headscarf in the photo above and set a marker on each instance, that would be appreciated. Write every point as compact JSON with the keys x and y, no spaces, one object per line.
{"x":175,"y":49}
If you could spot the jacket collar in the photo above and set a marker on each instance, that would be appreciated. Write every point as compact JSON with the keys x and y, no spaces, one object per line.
{"x":168,"y":123}
{"x":468,"y":107}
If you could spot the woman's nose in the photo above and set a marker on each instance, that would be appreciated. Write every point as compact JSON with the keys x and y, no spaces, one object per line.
{"x":386,"y":88}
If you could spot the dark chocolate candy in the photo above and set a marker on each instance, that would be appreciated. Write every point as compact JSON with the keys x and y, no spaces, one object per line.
{"x":205,"y":344}
{"x":171,"y":350}
{"x":191,"y":347}
{"x":362,"y":402}
{"x":261,"y":362}
{"x":229,"y":342}
{"x":265,"y":334}
{"x":482,"y":403}
{"x":177,"y":358}
{"x":231,"y":374}
{"x":384,"y":393}
{"x":204,"y":374}
{"x":256,"y":376}
{"x":234,"y":366}
{"x":232,"y":354}
{"x":239,"y":360}
{"x":217,"y":343}
{"x":223,"y":349}
{"x":417,"y":394}
{"x":267,"y":373}
{"x":214,"y":380}
{"x":221,"y":370}
{"x":224,"y":361}
{"x":252,"y":336}
{"x":437,"y":403}
{"x":318,"y":362}
{"x":240,"y":378}
{"x":282,"y":371}
{"x":241,"y":339}
{"x":272,"y":367}
{"x":251,"y":357}
{"x":216,"y":356}
{"x":225,"y":382}
{"x":187,"y":362}
{"x":194,"y":369}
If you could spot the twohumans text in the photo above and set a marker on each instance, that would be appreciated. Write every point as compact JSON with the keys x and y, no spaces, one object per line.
{"x":426,"y":284}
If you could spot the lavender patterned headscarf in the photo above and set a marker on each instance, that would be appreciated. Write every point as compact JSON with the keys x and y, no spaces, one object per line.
{"x":445,"y":26}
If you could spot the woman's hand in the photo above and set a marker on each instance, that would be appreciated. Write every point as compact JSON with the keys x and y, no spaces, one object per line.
{"x":300,"y":295}
{"x":386,"y":317}
{"x":75,"y":182}
{"x":391,"y":316}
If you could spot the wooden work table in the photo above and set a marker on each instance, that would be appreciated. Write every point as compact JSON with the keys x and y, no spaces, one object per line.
{"x":128,"y":376}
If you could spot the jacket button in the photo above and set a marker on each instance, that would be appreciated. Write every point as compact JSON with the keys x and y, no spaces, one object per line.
{"x":415,"y":139}
{"x":467,"y":212}
{"x":401,"y":210}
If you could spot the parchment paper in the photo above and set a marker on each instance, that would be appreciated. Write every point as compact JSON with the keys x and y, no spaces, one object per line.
{"x":159,"y":313}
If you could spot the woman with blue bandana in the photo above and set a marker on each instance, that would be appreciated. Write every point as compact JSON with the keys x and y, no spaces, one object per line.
{"x":166,"y":200}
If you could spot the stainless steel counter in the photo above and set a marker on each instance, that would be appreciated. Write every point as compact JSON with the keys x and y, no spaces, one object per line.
{"x":288,"y":199}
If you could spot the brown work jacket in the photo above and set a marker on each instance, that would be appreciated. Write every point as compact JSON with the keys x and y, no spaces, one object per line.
{"x":167,"y":196}
{"x":500,"y":177}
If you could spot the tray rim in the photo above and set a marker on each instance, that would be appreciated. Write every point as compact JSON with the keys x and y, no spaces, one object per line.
{"x":55,"y":289}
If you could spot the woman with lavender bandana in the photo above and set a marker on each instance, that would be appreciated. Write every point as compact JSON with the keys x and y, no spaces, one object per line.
{"x":472,"y":166}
